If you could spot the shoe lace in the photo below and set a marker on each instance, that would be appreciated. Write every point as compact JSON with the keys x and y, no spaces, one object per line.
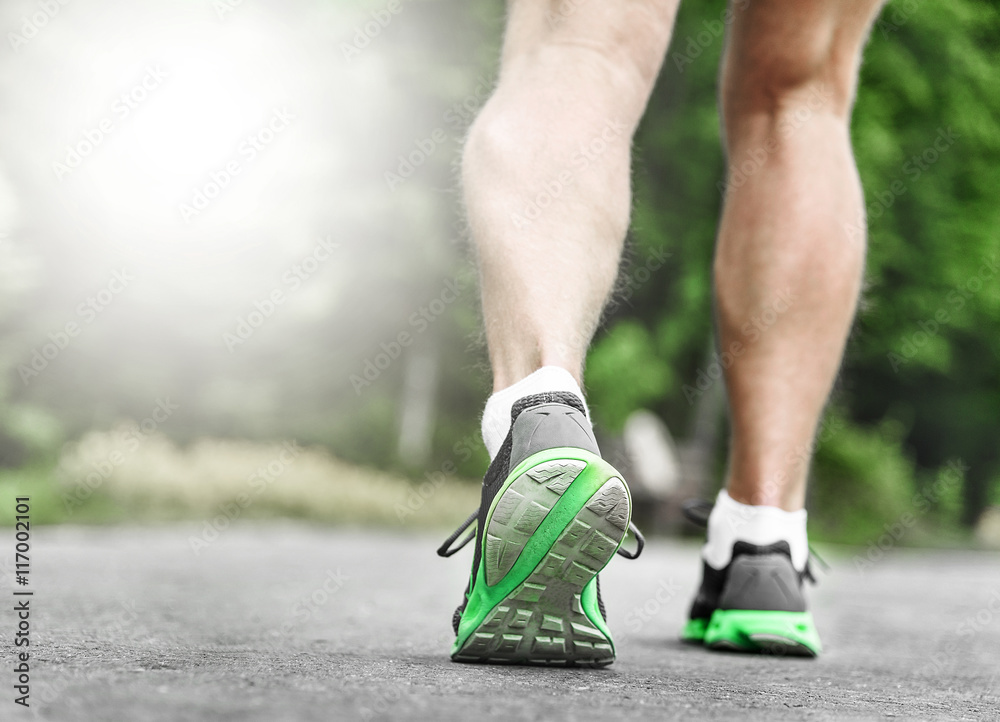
{"x":697,"y":511}
{"x":446,"y":549}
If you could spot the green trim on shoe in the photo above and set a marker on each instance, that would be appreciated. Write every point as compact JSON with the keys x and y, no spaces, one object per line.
{"x":770,"y":632}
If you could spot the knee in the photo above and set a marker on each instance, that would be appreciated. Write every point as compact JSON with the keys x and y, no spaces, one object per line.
{"x":497,"y":140}
{"x":787,"y":82}
{"x":630,"y":37}
{"x":618,"y":46}
{"x":516,"y":135}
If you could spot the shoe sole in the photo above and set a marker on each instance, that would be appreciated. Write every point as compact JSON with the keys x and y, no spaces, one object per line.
{"x":543,"y":620}
{"x":763,"y":631}
{"x":694,"y":631}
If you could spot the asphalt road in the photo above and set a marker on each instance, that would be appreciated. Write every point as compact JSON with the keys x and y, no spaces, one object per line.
{"x":283,"y":621}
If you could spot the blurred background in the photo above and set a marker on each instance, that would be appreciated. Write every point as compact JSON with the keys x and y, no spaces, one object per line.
{"x":235,"y":281}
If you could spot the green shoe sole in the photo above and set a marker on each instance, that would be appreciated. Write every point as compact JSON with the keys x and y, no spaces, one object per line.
{"x":767,"y":632}
{"x":694,"y":631}
{"x":557,"y":521}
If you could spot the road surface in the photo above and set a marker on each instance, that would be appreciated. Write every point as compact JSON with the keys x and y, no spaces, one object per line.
{"x":287,"y":621}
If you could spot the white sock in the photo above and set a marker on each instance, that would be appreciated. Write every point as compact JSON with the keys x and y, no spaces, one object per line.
{"x":731,"y":521}
{"x":496,"y":415}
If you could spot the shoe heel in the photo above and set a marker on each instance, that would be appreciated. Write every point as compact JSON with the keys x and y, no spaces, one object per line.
{"x":551,"y":617}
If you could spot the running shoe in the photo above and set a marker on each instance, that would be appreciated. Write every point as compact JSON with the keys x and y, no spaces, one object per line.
{"x":552,"y":516}
{"x":755,"y":604}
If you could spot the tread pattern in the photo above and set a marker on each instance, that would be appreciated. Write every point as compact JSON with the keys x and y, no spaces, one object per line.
{"x":542,"y":620}
{"x":521,"y":509}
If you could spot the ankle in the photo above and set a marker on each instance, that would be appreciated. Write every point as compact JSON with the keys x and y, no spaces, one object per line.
{"x":496,"y":416}
{"x":779,"y":491}
{"x":732,"y":521}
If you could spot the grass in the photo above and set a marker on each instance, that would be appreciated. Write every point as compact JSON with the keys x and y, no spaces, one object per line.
{"x":120,"y":476}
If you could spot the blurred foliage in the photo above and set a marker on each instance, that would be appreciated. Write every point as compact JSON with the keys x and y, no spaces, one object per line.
{"x":919,"y":392}
{"x":124,"y":474}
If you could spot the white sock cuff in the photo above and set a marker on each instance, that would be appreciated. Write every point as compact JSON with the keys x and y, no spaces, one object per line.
{"x":732,"y":521}
{"x":496,"y":415}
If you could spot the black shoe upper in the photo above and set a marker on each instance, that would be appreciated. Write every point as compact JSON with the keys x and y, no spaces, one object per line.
{"x":757,"y":577}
